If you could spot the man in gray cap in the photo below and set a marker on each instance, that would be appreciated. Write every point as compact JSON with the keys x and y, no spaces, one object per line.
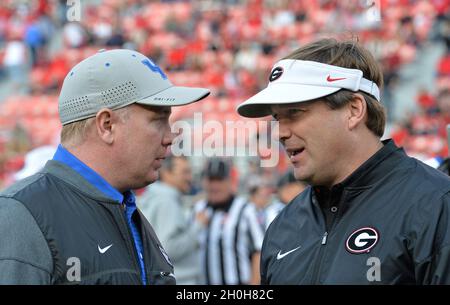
{"x":76,"y":221}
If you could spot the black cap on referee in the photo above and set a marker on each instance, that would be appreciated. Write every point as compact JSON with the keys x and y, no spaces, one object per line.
{"x":217,"y":169}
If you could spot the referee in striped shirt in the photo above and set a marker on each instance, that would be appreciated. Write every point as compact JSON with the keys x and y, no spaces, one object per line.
{"x":231,"y":242}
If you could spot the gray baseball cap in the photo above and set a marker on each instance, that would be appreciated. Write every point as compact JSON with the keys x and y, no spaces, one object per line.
{"x":115,"y":79}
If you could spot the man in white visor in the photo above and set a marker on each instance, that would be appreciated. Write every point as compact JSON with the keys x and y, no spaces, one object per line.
{"x":371,"y":215}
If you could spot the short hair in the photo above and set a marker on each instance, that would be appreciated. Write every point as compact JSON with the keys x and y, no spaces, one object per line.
{"x":351,"y":55}
{"x":75,"y":133}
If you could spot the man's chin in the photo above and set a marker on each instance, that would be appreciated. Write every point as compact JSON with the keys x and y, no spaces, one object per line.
{"x":300,"y":174}
{"x":151,"y":178}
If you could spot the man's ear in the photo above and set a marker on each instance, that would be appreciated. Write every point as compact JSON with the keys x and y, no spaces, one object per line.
{"x":104,"y":121}
{"x":357,"y":109}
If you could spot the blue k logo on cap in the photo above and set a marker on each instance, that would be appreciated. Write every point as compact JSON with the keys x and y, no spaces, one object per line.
{"x":152,"y":66}
{"x":115,"y":79}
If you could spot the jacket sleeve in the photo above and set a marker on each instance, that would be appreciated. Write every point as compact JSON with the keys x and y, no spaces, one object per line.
{"x":25,"y":257}
{"x":433,"y":247}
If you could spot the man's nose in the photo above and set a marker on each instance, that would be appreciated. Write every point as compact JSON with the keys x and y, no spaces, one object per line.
{"x":282,"y":132}
{"x":169,"y":136}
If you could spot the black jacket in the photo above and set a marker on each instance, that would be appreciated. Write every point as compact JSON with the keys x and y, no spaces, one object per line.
{"x":55,"y":220}
{"x":389,"y":224}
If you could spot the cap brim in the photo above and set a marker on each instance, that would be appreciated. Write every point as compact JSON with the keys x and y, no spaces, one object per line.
{"x":175,"y":96}
{"x":259,"y":104}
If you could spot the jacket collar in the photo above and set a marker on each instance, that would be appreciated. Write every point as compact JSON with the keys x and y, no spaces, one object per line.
{"x":376,"y":167}
{"x":372,"y":170}
{"x":364,"y":177}
{"x":68,"y":168}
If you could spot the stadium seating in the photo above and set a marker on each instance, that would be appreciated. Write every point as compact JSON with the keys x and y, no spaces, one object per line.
{"x":228,"y":48}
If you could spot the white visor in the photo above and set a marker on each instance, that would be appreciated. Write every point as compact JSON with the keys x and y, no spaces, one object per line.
{"x":293,"y":81}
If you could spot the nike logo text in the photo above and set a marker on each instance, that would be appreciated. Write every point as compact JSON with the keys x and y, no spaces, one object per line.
{"x":103,"y":250}
{"x":280,"y":256}
{"x":329,"y":79}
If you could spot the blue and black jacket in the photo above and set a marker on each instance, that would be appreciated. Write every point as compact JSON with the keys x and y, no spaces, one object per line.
{"x":57,"y":228}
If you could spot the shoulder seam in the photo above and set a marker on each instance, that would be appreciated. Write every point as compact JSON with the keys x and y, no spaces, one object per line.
{"x":12,"y":195}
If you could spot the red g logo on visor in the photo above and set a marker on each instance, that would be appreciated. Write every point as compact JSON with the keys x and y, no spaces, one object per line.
{"x":276,"y":74}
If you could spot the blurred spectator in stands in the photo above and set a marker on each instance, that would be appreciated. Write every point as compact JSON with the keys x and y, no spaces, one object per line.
{"x":74,"y":35}
{"x":117,"y":38}
{"x":443,"y":102}
{"x":12,"y":154}
{"x":102,"y":32}
{"x":61,"y":12}
{"x":246,"y":56}
{"x":20,"y":141}
{"x":37,"y":36}
{"x":35,"y":161}
{"x":15,"y":61}
{"x":34,"y":38}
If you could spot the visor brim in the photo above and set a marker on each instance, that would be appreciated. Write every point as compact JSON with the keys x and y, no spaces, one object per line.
{"x":282,"y":93}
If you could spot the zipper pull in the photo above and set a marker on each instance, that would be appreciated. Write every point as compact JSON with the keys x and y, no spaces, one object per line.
{"x":324,"y":238}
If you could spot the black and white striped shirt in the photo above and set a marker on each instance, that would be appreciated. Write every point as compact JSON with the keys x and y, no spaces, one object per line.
{"x":228,"y":243}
